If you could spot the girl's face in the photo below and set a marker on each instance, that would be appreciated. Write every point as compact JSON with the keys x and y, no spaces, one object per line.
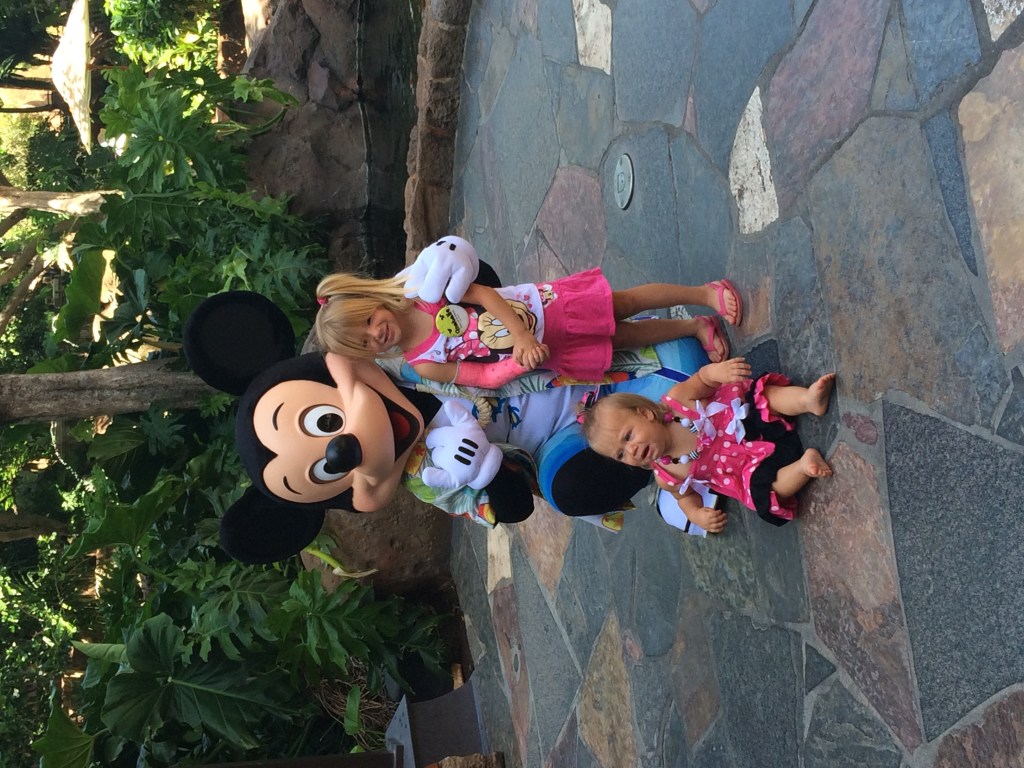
{"x":382,"y":331}
{"x":634,"y":437}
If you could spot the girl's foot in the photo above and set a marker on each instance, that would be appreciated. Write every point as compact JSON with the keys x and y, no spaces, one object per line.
{"x":725,"y":300}
{"x":709,"y":334}
{"x":819,"y":394}
{"x":813,"y":464}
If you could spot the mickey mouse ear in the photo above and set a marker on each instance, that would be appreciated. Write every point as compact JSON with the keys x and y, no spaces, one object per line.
{"x":257,"y":529}
{"x":233,"y":336}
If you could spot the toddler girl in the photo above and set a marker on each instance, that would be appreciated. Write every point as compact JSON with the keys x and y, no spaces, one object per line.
{"x":720,"y":428}
{"x":569,"y":325}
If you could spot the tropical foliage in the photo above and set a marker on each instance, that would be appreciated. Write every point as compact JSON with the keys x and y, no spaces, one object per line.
{"x":134,"y":641}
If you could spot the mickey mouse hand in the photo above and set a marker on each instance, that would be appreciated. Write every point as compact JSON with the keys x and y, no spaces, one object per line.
{"x":451,"y":262}
{"x":461,"y":453}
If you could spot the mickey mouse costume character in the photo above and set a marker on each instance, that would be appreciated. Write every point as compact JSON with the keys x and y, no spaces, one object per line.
{"x":318,"y":432}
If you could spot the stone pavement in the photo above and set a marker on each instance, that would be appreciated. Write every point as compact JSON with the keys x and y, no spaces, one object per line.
{"x":857,"y":168}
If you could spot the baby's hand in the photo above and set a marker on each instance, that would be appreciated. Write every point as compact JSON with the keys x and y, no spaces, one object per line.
{"x":711,"y":520}
{"x":729,"y":371}
{"x":529,"y":352}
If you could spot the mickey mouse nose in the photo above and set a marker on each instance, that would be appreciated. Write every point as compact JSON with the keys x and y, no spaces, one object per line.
{"x":343,"y":454}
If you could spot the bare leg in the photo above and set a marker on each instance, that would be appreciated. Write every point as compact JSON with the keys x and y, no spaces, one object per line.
{"x":794,"y":401}
{"x":792,"y":477}
{"x":643,"y":332}
{"x":640,"y":298}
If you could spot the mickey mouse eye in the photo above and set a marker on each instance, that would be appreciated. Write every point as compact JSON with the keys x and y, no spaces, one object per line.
{"x":323,"y":421}
{"x":320,"y":474}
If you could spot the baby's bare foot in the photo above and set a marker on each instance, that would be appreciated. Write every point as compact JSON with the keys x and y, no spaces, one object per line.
{"x":813,"y":464}
{"x":819,"y":393}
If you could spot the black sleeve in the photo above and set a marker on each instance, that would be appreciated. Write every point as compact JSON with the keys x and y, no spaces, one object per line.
{"x":511,"y":495}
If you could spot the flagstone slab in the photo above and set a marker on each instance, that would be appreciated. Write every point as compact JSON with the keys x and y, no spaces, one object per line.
{"x":894,"y":79}
{"x":737,"y":39}
{"x":959,"y":540}
{"x":523,"y":126}
{"x":821,"y":89}
{"x":584,"y":590}
{"x":585,"y":115}
{"x":545,"y":535}
{"x":992,"y":121}
{"x":606,"y":704}
{"x":944,"y":142}
{"x":943,"y":40}
{"x":1000,"y":14}
{"x":552,"y":671}
{"x":817,"y":668}
{"x":657,"y":579}
{"x":854,"y":589}
{"x":659,"y":729}
{"x":511,"y":647}
{"x":1011,"y":423}
{"x":875,"y":234}
{"x":652,"y":53}
{"x":593,"y":34}
{"x":995,"y":741}
{"x":704,"y":215}
{"x":750,"y":170}
{"x":761,"y":698}
{"x":843,"y":733}
{"x":694,"y":685}
{"x":556,"y":29}
{"x":571,"y":219}
{"x":651,"y":250}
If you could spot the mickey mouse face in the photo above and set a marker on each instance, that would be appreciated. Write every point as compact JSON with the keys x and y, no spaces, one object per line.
{"x":323,"y":439}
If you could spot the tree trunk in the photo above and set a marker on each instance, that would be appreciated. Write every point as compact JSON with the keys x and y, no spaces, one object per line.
{"x":24,"y":290}
{"x":131,"y":388}
{"x":10,"y":220}
{"x":15,"y":526}
{"x":73,"y":203}
{"x":18,"y":264}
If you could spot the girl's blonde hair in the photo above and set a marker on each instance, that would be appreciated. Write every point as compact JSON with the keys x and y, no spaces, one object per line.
{"x":591,"y":415}
{"x":347,"y":303}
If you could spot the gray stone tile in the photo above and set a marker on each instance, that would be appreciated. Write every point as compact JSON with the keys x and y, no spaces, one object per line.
{"x":799,"y":311}
{"x":646,"y":233}
{"x":778,"y":564}
{"x":658,"y":576}
{"x":489,"y":685}
{"x":737,"y":39}
{"x":944,"y":141}
{"x":584,"y":590}
{"x":1011,"y":423}
{"x":875,"y":235}
{"x":894,"y":79}
{"x":714,"y":751}
{"x":943,"y":40}
{"x":557,"y":30}
{"x":761,"y":697}
{"x":651,"y":61}
{"x":816,"y":668}
{"x":843,"y":733}
{"x":523,"y":126}
{"x":704,"y":205}
{"x":553,"y":676}
{"x":722,"y":564}
{"x":959,"y":540}
{"x":653,"y":711}
{"x":585,"y":115}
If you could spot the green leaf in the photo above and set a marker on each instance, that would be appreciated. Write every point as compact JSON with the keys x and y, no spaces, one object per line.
{"x":63,"y":745}
{"x":121,"y":437}
{"x":353,"y":722}
{"x":136,"y":705}
{"x":82,"y":295}
{"x":112,"y":652}
{"x":128,"y":524}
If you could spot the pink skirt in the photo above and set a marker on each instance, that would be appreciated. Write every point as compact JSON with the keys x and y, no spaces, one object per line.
{"x":579,"y":324}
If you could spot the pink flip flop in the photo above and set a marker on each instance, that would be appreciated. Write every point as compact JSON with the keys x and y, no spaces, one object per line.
{"x":721,"y":286}
{"x":716,"y":331}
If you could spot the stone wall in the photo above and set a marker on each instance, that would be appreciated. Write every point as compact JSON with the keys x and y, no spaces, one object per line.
{"x":432,"y":145}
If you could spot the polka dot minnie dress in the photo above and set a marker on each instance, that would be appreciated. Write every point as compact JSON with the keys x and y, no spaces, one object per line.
{"x":741,"y":445}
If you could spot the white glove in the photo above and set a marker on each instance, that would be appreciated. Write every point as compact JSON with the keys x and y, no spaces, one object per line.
{"x":451,"y":262}
{"x":461,"y":453}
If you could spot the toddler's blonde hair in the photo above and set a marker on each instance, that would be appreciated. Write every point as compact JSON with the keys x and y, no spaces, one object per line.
{"x":348,"y":301}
